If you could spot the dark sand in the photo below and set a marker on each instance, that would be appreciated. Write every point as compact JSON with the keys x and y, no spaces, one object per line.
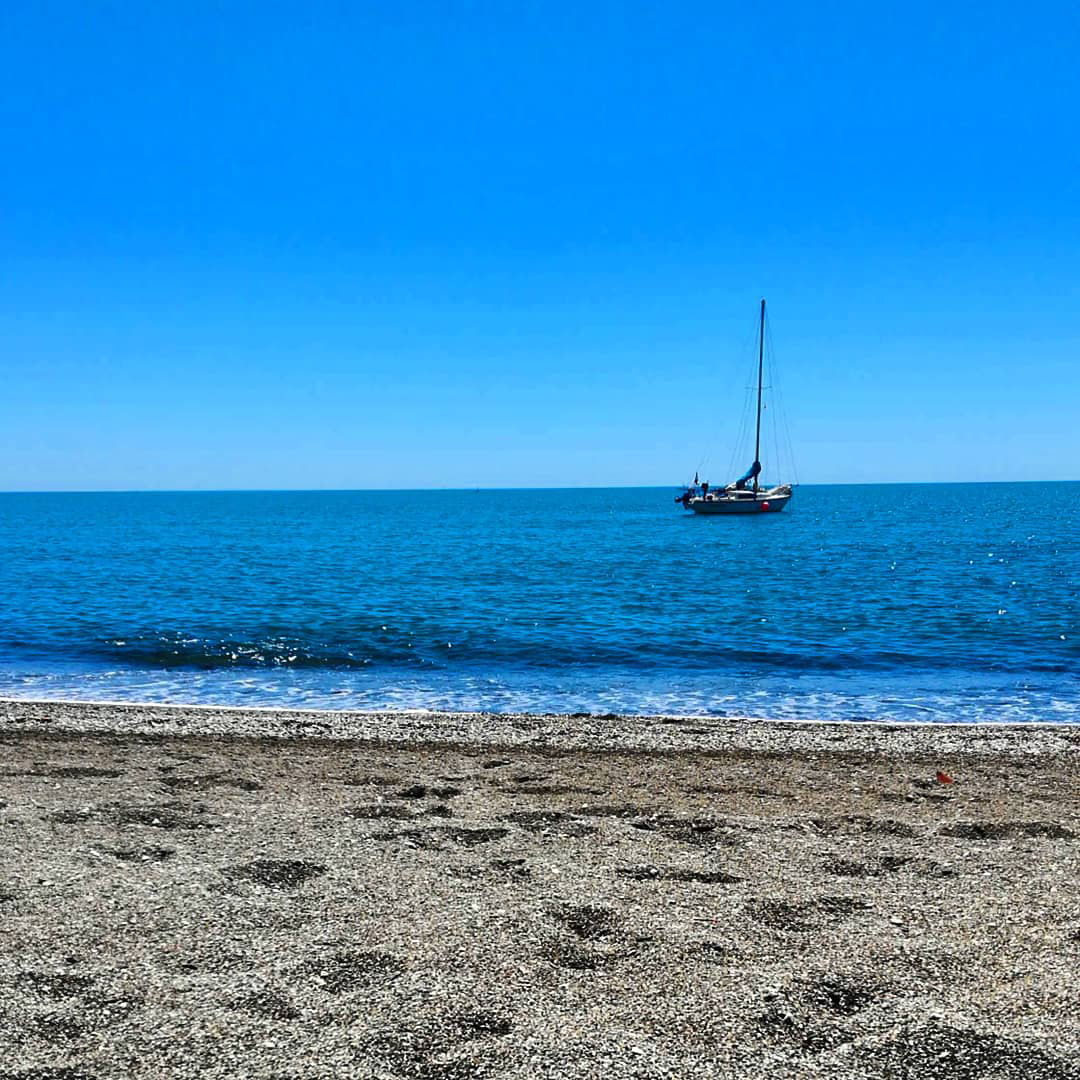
{"x":207,"y":905}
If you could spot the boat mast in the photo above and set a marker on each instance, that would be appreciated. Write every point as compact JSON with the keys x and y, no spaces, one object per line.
{"x":760,"y":357}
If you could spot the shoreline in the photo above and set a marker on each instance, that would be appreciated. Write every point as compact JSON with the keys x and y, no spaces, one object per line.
{"x":567,"y":731}
{"x":197,"y":706}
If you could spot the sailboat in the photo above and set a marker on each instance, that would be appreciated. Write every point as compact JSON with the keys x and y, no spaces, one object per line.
{"x":745,"y":495}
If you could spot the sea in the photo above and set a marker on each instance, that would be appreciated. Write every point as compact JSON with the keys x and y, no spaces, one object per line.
{"x":871,"y":603}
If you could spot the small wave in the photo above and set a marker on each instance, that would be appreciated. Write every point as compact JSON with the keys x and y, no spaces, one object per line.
{"x":483,"y":652}
{"x":207,"y":654}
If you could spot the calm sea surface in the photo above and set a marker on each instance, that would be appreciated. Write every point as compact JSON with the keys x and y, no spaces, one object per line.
{"x":900,"y":602}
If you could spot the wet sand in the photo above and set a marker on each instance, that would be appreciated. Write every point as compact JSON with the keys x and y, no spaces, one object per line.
{"x":222,"y":893}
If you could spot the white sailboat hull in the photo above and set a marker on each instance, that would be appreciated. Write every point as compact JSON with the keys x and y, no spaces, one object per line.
{"x":765,"y":502}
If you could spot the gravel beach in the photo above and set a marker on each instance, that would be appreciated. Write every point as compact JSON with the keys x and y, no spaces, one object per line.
{"x":266,"y":893}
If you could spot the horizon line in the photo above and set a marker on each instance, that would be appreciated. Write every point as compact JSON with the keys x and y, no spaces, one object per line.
{"x":482,"y":488}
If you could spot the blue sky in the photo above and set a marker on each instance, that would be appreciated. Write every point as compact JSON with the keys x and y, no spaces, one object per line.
{"x":341,"y":245}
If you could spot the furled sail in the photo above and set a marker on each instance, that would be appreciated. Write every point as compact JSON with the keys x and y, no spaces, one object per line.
{"x":754,"y":470}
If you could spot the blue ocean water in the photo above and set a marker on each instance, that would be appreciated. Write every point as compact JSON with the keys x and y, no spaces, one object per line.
{"x":891,"y":602}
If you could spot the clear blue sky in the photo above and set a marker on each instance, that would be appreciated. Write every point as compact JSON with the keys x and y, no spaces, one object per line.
{"x":473,"y":244}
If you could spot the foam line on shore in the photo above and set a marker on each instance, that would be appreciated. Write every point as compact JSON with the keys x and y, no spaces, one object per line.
{"x":465,"y":713}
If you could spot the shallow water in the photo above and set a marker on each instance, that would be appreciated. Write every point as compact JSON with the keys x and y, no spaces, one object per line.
{"x":903,"y":602}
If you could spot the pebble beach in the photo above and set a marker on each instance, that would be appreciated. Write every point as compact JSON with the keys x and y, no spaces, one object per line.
{"x":264,"y":893}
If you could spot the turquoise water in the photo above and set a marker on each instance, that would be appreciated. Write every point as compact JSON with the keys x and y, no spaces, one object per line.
{"x":902,"y":602}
